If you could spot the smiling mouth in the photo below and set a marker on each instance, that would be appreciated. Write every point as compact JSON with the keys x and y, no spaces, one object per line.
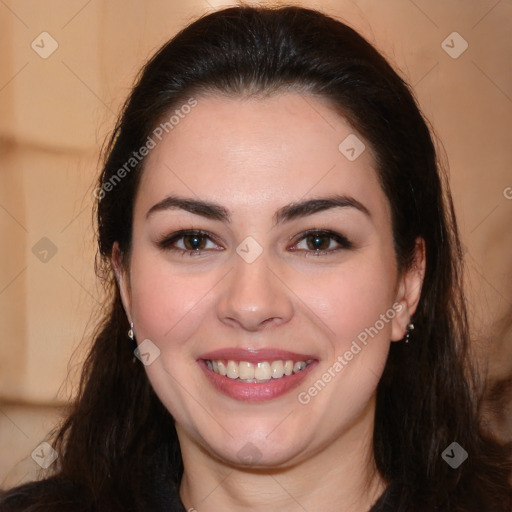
{"x":260,"y":372}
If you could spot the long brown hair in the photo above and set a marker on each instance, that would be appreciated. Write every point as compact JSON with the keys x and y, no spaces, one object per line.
{"x":119,"y":444}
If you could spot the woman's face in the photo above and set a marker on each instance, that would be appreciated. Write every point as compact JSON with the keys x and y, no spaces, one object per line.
{"x":287,"y":261}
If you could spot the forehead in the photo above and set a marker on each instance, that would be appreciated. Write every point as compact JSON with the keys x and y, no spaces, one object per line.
{"x":258,"y":152}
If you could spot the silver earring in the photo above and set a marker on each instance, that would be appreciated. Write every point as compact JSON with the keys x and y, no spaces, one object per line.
{"x":410,"y":328}
{"x":130,"y":332}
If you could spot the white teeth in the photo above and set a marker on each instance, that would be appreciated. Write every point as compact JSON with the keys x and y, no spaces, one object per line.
{"x":246,"y":370}
{"x":298,"y":366}
{"x":262,"y":371}
{"x":222,"y":368}
{"x":232,"y":370}
{"x":277,"y":369}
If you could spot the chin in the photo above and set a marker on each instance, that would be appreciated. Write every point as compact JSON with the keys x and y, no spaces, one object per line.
{"x":255,"y":450}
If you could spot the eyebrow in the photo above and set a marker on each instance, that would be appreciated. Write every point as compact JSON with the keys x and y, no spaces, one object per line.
{"x":286,"y":213}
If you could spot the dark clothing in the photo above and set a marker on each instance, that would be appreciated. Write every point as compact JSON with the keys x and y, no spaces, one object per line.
{"x":72,"y":498}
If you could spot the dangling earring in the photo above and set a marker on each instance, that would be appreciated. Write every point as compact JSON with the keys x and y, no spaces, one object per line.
{"x":410,"y":328}
{"x":132,"y":337}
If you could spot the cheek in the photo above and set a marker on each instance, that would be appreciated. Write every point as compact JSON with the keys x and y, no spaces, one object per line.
{"x":168,"y":309}
{"x":170,"y":305}
{"x":167,"y":304}
{"x":357,"y":306}
{"x":351,"y":299}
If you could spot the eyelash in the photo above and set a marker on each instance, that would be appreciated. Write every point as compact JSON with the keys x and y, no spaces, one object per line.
{"x":343,"y":241}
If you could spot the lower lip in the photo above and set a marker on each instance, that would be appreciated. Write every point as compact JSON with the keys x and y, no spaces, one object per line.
{"x":255,"y":391}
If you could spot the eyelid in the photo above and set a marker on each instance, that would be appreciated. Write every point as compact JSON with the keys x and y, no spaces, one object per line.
{"x":165,"y":241}
{"x":342,"y":241}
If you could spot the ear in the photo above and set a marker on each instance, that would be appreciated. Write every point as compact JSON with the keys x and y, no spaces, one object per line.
{"x":123,"y":279}
{"x":409,"y":292}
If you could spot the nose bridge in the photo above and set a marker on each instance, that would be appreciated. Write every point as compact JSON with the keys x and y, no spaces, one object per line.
{"x":254,"y":296}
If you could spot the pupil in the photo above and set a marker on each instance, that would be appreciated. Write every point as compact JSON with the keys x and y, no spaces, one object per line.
{"x":318,"y":242}
{"x":194,"y":242}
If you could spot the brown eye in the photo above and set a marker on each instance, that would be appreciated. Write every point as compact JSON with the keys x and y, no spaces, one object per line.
{"x":194,"y":242}
{"x":318,"y":242}
{"x":189,"y":242}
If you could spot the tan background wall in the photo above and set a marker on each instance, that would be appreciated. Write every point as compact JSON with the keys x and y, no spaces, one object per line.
{"x":56,"y":111}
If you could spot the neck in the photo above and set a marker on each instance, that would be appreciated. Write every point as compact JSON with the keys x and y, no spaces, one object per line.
{"x":341,"y":476}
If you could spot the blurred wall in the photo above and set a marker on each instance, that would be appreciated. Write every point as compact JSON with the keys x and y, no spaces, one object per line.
{"x":65,"y":68}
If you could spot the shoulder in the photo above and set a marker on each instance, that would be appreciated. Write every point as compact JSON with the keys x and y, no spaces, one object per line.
{"x":53,"y":494}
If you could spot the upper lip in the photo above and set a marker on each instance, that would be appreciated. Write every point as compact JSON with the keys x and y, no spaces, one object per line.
{"x":255,"y":355}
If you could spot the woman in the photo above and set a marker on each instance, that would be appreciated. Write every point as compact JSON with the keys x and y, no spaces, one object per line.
{"x":285,"y":266}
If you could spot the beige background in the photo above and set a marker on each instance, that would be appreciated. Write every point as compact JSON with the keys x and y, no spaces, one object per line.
{"x":56,"y":111}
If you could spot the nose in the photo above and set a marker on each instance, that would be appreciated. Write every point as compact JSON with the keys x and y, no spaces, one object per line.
{"x":254,"y":297}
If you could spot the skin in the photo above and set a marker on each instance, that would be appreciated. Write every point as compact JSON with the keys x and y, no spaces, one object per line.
{"x":254,"y":156}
